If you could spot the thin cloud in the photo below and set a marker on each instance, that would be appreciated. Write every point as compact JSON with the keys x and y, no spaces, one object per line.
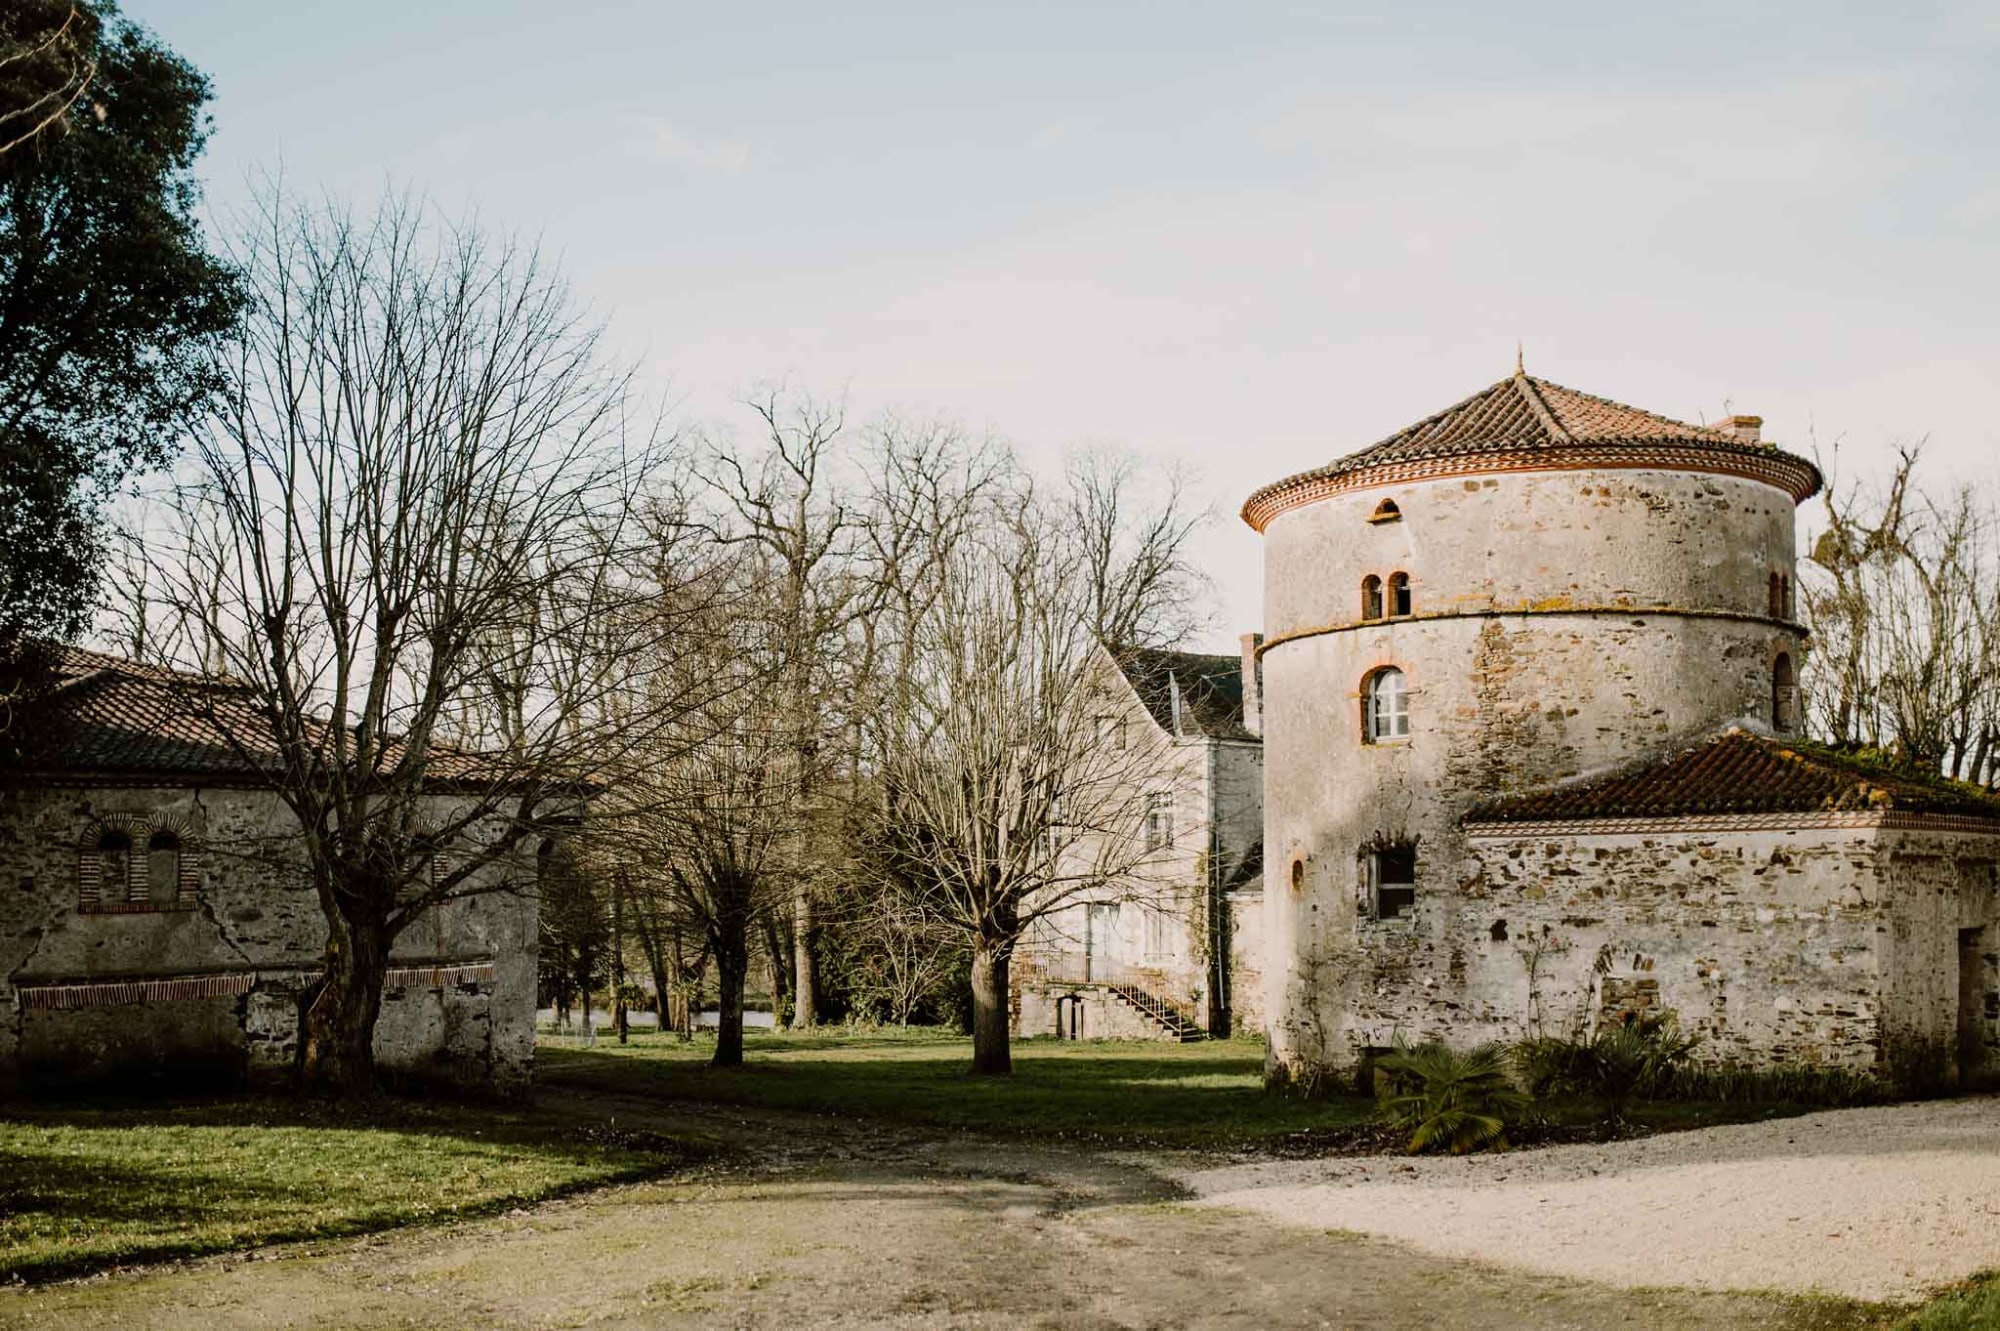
{"x":671,"y":145}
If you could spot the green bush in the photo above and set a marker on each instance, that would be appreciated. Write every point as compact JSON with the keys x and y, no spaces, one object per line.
{"x":1639,"y":1056}
{"x":1452,"y":1101}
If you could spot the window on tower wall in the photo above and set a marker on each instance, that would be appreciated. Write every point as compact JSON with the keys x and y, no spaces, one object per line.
{"x":1776,"y":601}
{"x":1385,"y":707}
{"x":1371,"y":597}
{"x":1785,"y":601}
{"x":1784,"y":694}
{"x":1399,"y":593}
{"x":1392,"y":876}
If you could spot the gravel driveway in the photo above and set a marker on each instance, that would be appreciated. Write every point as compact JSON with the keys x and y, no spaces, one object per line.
{"x":1875,"y":1203}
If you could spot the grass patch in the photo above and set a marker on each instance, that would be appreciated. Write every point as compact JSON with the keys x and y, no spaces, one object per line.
{"x":1126,"y":1093}
{"x":1106,"y":1092}
{"x":86,"y":1186}
{"x":1972,"y":1306}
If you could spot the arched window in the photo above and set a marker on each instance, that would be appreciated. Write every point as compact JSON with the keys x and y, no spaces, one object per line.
{"x":114,"y":855}
{"x":1298,"y":875}
{"x":1399,"y":593}
{"x":1785,"y":601}
{"x":1371,"y":597}
{"x":163,"y":870}
{"x":1386,"y":511}
{"x":1776,"y":605}
{"x":1385,"y":709}
{"x":1784,"y":693}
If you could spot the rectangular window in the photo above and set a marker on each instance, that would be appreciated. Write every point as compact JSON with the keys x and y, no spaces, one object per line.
{"x":1157,"y":940}
{"x":1111,"y":731}
{"x":1394,"y":870}
{"x":1159,"y":820}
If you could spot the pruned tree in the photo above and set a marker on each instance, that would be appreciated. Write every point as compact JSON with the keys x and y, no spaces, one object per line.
{"x":417,"y":502}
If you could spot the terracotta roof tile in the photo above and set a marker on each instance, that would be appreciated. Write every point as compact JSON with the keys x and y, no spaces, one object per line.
{"x":106,"y":716}
{"x":1525,"y":415}
{"x":1738,"y":772}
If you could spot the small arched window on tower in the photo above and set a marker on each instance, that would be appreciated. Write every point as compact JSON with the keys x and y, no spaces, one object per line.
{"x":1775,"y":606}
{"x":1386,"y":511}
{"x":1385,"y":707}
{"x":1785,"y":602}
{"x":163,"y":870}
{"x":1371,"y":597}
{"x":1399,"y":593}
{"x":1784,"y":694}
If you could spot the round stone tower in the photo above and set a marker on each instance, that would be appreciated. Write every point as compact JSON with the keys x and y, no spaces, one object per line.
{"x":1531,"y":585}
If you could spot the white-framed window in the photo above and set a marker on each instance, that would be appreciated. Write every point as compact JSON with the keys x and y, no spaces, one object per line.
{"x":1159,"y":936}
{"x":1159,"y":820}
{"x":1385,"y":707}
{"x":1392,"y":875}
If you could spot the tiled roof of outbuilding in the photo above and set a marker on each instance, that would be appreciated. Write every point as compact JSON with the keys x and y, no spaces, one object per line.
{"x":1211,"y":689}
{"x":1738,"y":772}
{"x":107,"y":717}
{"x":1523,"y":418}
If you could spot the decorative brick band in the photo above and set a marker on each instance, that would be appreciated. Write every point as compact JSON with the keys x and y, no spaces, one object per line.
{"x":1532,"y":612}
{"x":1794,"y":476}
{"x":113,"y":993}
{"x":72,"y":996}
{"x":1831,"y":819}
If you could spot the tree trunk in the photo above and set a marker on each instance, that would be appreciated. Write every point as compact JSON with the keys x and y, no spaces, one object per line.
{"x":338,"y":1057}
{"x":732,"y":960}
{"x":781,"y":964}
{"x":805,"y":982}
{"x":991,"y":1055}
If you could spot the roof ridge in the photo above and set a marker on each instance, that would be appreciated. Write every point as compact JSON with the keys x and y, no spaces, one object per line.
{"x":1719,"y":436}
{"x":1532,"y":395}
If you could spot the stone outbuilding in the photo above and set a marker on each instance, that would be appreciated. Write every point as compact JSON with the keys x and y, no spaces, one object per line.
{"x":1531,"y":588}
{"x":1174,"y":949}
{"x":155,"y":921}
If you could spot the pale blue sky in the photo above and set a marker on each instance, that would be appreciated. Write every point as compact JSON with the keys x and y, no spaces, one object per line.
{"x":1254,"y":237}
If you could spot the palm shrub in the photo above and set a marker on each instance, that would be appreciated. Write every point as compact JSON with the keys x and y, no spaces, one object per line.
{"x":1457,"y":1102}
{"x":1628,"y":1058}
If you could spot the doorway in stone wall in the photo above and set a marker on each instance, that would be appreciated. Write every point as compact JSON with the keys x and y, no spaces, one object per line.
{"x":1972,"y":1001}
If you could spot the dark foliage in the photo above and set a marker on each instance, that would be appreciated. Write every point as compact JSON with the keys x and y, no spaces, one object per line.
{"x":109,"y":304}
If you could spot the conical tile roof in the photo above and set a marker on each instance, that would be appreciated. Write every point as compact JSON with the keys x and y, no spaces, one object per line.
{"x":1523,"y":423}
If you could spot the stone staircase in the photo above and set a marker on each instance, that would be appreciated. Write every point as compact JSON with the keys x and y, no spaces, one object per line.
{"x":1170,"y":1019}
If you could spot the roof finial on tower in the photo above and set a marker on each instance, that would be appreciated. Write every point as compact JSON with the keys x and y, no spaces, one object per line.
{"x":1517,"y":357}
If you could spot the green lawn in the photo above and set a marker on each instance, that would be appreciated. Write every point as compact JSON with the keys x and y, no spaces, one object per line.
{"x":82,"y":1187}
{"x":1973,"y":1306}
{"x":1133,"y":1093}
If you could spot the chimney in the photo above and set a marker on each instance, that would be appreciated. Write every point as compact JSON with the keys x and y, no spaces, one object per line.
{"x":1747,"y":429}
{"x":1253,"y":685}
{"x":1174,"y":692}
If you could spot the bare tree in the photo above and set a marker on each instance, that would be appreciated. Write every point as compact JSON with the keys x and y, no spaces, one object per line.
{"x":786,"y":508}
{"x":997,"y":804}
{"x":406,"y":531}
{"x":1132,"y":529}
{"x":1902,"y":591}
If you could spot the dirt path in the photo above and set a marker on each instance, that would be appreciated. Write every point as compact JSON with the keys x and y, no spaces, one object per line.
{"x":1879,"y":1203}
{"x":849,"y":1226}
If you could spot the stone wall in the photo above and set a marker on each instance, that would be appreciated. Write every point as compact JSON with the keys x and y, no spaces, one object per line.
{"x":1045,"y":1009}
{"x":1562,"y":623}
{"x":100,"y":979}
{"x":1828,"y":947}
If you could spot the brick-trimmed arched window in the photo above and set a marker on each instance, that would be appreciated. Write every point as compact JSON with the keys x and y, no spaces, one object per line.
{"x":1399,"y":593}
{"x":1386,"y":511}
{"x":1385,"y":706}
{"x":130,"y":866}
{"x":1371,"y":597}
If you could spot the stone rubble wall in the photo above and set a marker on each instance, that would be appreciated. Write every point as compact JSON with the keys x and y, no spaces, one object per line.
{"x":243,"y":953}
